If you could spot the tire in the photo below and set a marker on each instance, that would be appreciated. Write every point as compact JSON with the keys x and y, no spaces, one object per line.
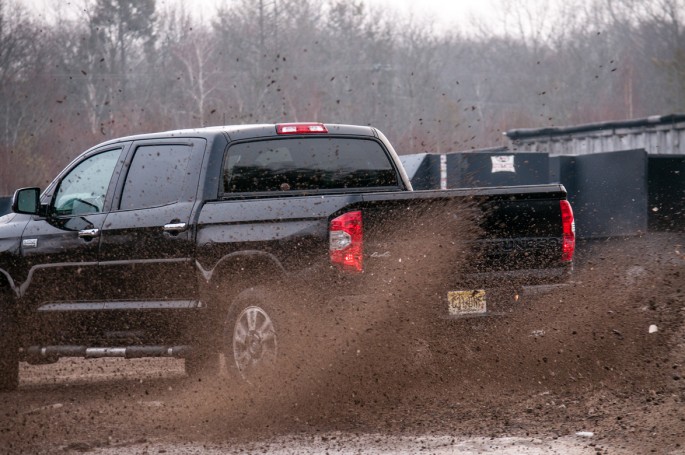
{"x":9,"y":352}
{"x":253,"y":334}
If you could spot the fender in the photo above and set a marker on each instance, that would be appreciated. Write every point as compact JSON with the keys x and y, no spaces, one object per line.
{"x":12,"y":267}
{"x":269,"y":259}
{"x":10,"y":283}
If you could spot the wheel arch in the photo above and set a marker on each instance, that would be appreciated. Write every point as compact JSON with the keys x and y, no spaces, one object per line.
{"x":244,"y":262}
{"x":7,"y":285}
{"x":238,"y":271}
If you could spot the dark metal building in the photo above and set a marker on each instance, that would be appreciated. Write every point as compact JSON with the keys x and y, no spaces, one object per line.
{"x":5,"y":205}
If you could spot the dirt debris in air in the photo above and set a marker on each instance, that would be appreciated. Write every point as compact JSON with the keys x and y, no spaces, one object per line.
{"x":576,"y":359}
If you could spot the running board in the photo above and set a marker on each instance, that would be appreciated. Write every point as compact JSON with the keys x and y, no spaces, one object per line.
{"x":41,"y":353}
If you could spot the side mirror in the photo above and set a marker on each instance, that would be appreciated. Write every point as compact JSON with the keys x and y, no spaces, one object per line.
{"x":26,"y":200}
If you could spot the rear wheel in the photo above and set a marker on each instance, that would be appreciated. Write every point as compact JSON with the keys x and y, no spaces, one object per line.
{"x":253,"y":334}
{"x":9,"y":352}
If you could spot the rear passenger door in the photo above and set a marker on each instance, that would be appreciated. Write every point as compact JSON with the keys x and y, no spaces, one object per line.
{"x":147,"y":243}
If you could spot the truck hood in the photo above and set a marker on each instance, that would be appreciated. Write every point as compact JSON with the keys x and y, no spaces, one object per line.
{"x":7,"y":218}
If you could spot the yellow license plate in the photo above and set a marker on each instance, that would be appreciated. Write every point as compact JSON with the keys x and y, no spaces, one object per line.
{"x":466,"y":302}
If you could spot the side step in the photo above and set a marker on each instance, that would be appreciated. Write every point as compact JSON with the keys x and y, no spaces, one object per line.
{"x":47,"y":354}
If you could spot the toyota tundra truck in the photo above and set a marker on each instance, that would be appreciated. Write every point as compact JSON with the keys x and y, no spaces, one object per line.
{"x":166,"y":244}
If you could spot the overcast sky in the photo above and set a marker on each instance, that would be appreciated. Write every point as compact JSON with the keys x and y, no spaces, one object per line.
{"x":442,"y":14}
{"x":445,"y":14}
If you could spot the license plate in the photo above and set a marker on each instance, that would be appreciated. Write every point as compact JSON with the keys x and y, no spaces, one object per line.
{"x":466,"y":302}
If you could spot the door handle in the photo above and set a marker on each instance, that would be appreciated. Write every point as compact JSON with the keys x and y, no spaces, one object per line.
{"x":175,"y":227}
{"x":89,"y":233}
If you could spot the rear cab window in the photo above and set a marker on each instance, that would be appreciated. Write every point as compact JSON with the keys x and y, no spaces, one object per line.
{"x":307,"y":164}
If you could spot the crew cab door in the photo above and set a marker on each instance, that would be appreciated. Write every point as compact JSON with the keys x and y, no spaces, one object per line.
{"x":147,"y":241}
{"x":60,"y":249}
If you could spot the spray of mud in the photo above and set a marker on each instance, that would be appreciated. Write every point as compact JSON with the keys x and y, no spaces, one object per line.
{"x":354,"y":362}
{"x":341,"y":355}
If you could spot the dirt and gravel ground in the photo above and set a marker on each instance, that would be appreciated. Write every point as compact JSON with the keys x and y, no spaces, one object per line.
{"x":575,"y":359}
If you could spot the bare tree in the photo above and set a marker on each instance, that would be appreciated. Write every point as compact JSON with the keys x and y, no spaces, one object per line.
{"x":16,"y":61}
{"x":122,"y":66}
{"x":116,"y":36}
{"x":196,"y":54}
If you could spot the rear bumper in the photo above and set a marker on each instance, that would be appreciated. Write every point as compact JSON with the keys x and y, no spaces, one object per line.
{"x":517,"y":278}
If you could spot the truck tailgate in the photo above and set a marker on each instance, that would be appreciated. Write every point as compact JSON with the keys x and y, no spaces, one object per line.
{"x":513,"y":234}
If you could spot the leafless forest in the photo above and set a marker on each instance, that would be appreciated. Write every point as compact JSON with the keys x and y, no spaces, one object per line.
{"x":79,"y":76}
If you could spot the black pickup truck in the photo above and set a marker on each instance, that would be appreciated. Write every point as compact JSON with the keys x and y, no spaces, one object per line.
{"x":165,"y":244}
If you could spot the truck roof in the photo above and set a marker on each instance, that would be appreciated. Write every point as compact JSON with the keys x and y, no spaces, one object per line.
{"x":238,"y":132}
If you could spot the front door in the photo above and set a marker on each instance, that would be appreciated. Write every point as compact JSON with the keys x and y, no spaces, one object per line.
{"x":61,"y":249}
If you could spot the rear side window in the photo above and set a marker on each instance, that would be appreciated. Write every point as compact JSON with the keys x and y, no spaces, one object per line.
{"x":156,"y":176}
{"x":307,"y":164}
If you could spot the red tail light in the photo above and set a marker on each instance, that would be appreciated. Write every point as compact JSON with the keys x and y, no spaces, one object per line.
{"x":568,"y":242}
{"x":345,"y":241}
{"x":301,"y":128}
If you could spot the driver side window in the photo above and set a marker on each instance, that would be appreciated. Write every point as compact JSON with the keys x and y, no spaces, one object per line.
{"x":83,"y":189}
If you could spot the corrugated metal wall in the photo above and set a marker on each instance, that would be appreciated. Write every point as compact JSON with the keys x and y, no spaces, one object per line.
{"x":657,"y":135}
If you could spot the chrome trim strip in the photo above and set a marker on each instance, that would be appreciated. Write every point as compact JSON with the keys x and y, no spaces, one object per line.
{"x":24,"y":286}
{"x":81,"y":306}
{"x":122,"y":305}
{"x":156,"y":305}
{"x":208,"y":273}
{"x":20,"y":290}
{"x":145,"y":261}
{"x":14,"y":287}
